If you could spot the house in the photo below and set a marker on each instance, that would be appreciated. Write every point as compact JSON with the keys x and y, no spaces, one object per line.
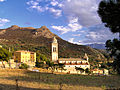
{"x":97,"y":71}
{"x":106,"y":72}
{"x":27,"y":57}
{"x":69,"y":63}
{"x":100,"y":71}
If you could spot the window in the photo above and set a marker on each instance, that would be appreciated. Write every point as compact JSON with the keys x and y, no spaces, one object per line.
{"x":54,"y":49}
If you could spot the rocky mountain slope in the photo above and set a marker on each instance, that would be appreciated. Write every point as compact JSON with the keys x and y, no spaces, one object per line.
{"x":39,"y":40}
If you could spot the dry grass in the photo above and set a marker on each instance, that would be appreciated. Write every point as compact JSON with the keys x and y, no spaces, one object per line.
{"x":38,"y":81}
{"x":40,"y":86}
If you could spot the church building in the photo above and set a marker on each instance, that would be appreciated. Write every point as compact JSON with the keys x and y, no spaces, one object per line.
{"x":70,"y":63}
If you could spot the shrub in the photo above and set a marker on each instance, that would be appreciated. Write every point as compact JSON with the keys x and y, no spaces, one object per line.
{"x":87,"y":71}
{"x":39,"y":64}
{"x":23,"y":66}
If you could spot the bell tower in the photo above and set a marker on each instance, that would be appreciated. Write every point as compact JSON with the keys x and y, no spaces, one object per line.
{"x":86,"y":57}
{"x":54,"y":50}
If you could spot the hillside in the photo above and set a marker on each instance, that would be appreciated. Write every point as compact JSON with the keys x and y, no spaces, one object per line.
{"x":39,"y":40}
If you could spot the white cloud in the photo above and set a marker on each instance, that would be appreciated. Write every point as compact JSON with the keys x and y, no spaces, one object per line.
{"x":3,"y":21}
{"x":56,"y":12}
{"x":60,"y":5}
{"x":54,"y":3}
{"x":76,"y":34}
{"x":72,"y":26}
{"x":71,"y":40}
{"x":80,"y":14}
{"x":2,"y":0}
{"x":33,"y":3}
{"x":98,"y":34}
{"x":84,"y":10}
{"x":46,"y":5}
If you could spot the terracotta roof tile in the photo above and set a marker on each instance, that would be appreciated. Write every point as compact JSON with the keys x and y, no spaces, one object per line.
{"x":71,"y":59}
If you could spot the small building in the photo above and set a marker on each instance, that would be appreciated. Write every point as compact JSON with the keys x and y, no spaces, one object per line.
{"x":27,"y":57}
{"x":74,"y":62}
{"x":70,"y":64}
{"x":102,"y":71}
{"x":106,"y":72}
{"x":97,"y":71}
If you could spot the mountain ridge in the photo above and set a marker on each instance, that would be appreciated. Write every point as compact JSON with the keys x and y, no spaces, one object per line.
{"x":39,"y":39}
{"x":97,"y":46}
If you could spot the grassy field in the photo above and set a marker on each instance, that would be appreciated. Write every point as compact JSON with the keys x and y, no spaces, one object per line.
{"x":28,"y":80}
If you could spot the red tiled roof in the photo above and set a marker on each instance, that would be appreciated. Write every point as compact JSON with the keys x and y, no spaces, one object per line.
{"x":24,"y":51}
{"x":96,"y":70}
{"x":76,"y":63}
{"x":71,"y":59}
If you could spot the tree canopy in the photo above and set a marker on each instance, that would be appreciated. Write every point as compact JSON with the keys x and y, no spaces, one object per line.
{"x":4,"y":54}
{"x":109,"y":12}
{"x":113,"y":48}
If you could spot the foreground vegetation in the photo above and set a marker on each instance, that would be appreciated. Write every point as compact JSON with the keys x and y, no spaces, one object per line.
{"x":39,"y":80}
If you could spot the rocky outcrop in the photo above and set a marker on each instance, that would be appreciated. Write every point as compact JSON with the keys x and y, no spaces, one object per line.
{"x":43,"y":31}
{"x":14,"y":27}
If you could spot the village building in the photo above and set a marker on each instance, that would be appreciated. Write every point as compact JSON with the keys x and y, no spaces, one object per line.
{"x":69,"y":63}
{"x":27,"y":57}
{"x":97,"y":71}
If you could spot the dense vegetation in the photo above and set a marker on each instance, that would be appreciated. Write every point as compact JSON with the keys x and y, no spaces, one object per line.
{"x":109,"y":12}
{"x":4,"y":54}
{"x":24,"y":66}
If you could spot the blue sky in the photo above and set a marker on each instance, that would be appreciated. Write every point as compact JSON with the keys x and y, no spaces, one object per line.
{"x":76,"y":21}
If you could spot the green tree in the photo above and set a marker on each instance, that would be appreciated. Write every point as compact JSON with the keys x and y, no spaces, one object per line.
{"x":109,"y":12}
{"x":40,"y":60}
{"x":23,"y":66}
{"x":41,"y":57}
{"x":4,"y":54}
{"x":43,"y":62}
{"x":87,"y":70}
{"x":61,"y":66}
{"x":113,"y":48}
{"x":80,"y":69}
